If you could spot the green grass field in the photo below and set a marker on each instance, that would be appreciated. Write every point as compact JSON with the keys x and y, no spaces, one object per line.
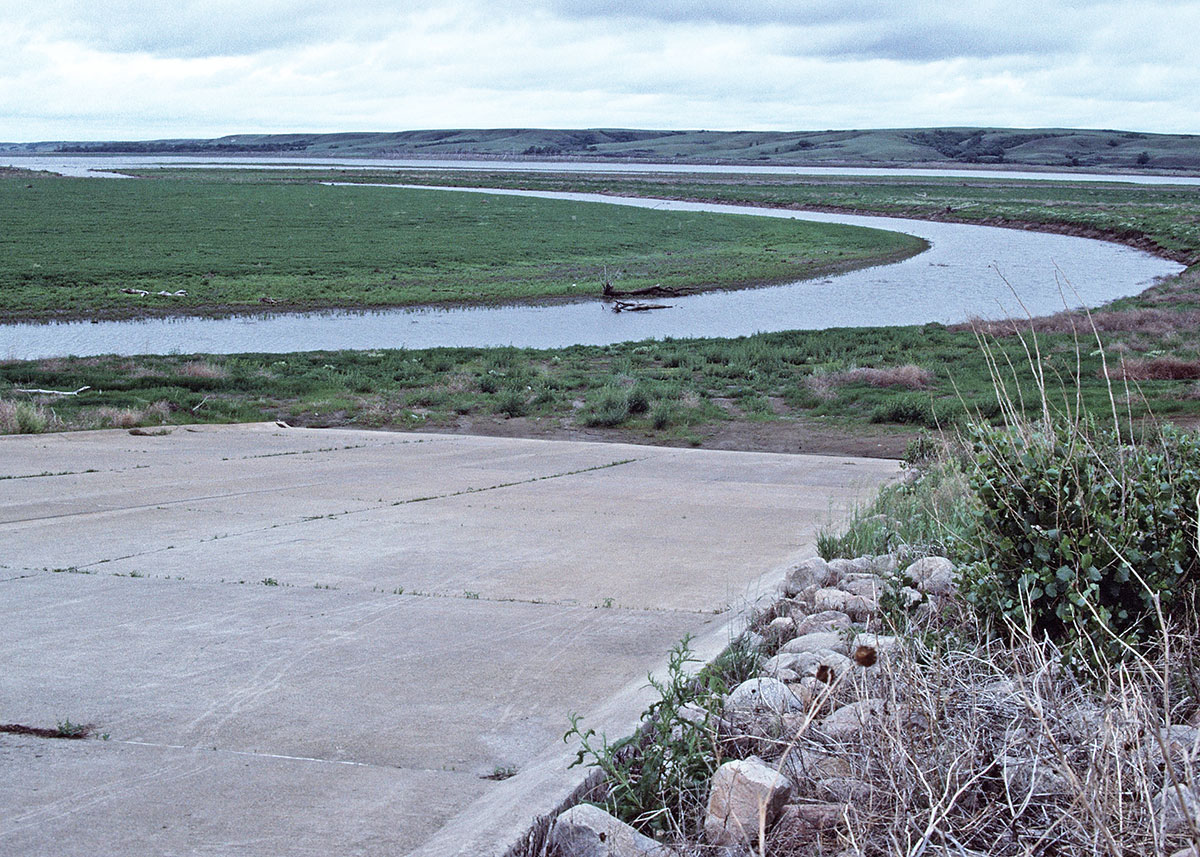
{"x":69,"y":246}
{"x":850,"y":380}
{"x":1165,"y":218}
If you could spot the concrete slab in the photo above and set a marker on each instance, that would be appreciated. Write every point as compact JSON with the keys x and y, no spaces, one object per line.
{"x":330,"y":712}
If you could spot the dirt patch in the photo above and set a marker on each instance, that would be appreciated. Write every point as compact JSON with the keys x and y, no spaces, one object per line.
{"x":742,"y":435}
{"x":69,"y":731}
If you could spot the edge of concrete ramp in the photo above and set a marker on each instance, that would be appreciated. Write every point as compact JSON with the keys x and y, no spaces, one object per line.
{"x":514,"y":819}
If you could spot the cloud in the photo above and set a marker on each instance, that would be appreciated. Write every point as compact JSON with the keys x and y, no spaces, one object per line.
{"x":75,"y":69}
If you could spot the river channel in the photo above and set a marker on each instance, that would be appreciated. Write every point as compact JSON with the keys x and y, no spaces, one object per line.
{"x":969,"y":271}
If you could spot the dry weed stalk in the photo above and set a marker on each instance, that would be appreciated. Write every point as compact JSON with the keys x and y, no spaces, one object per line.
{"x":995,"y":748}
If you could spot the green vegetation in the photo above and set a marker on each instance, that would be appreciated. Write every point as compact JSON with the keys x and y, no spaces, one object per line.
{"x":671,"y":391}
{"x":69,"y":247}
{"x":853,"y":381}
{"x":1061,"y":148}
{"x":657,"y":779}
{"x":1083,"y":537}
{"x":1165,"y":218}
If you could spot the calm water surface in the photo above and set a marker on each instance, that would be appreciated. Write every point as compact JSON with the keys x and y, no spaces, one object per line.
{"x":969,"y":271}
{"x":101,"y":165}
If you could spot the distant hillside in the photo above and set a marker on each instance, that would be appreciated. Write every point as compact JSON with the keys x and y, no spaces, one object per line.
{"x":934,"y":146}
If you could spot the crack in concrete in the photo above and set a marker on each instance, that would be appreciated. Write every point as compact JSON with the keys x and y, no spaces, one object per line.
{"x":159,"y":504}
{"x":333,"y":515}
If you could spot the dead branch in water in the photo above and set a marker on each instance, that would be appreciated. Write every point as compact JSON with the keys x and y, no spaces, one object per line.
{"x":53,"y":392}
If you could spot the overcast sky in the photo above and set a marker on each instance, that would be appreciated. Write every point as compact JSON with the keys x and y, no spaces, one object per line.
{"x":139,"y":69}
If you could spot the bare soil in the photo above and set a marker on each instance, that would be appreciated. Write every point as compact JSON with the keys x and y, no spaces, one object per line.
{"x":790,"y":436}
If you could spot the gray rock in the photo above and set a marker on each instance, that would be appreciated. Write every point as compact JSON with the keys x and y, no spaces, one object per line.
{"x":910,"y":597}
{"x":934,"y":575}
{"x":851,"y":720}
{"x":826,"y":620}
{"x":824,"y":664}
{"x":856,"y":607}
{"x":842,"y":790}
{"x":800,"y":824}
{"x":587,"y":831}
{"x":1179,"y":807}
{"x":817,"y":641}
{"x":1182,"y":744}
{"x":751,"y":641}
{"x":773,"y":665}
{"x":743,"y":792}
{"x":781,"y":627}
{"x":868,"y":586}
{"x":885,"y":564}
{"x":809,"y":572}
{"x":884,"y":644}
{"x":843,"y":567}
{"x":763,"y":694}
{"x":1193,"y":851}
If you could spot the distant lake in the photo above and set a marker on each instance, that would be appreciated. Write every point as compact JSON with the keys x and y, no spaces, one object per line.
{"x":969,"y":271}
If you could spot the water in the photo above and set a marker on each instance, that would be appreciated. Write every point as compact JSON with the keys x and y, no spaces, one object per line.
{"x":101,"y":166}
{"x":967,"y":272}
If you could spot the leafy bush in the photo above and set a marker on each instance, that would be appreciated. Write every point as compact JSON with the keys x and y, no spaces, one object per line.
{"x":657,"y":779}
{"x":511,"y":402}
{"x":1082,"y":536}
{"x":611,"y":409}
{"x":24,"y":418}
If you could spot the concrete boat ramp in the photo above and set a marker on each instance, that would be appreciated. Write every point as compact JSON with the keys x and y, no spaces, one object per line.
{"x":338,"y":642}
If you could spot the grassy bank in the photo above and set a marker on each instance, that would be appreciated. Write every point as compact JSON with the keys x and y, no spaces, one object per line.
{"x":1162,"y":218}
{"x":866,"y":391}
{"x":754,"y":391}
{"x":69,"y":247}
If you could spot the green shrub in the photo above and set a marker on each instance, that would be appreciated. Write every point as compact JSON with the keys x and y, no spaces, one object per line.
{"x":909,"y":408}
{"x":511,"y":402}
{"x":1081,"y":534}
{"x":657,"y":779}
{"x":929,"y":515}
{"x":610,"y":409}
{"x":24,"y":418}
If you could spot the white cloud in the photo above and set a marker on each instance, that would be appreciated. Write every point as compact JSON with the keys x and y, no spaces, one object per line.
{"x":71,"y":69}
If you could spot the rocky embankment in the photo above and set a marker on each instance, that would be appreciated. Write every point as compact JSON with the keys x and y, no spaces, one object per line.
{"x":870,"y":729}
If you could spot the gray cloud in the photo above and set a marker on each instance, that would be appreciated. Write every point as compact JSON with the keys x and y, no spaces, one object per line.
{"x":208,"y":67}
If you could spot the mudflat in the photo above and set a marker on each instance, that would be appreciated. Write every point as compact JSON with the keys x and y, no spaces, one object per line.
{"x":301,"y":641}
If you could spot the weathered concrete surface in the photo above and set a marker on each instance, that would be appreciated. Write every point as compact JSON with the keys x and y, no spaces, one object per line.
{"x":538,"y":578}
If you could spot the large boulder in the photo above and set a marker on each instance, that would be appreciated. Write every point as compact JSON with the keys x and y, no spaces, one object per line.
{"x":856,"y":607}
{"x":826,"y":620}
{"x":867,"y":585}
{"x":852,"y":720}
{"x":588,"y":831}
{"x":800,"y":824}
{"x":934,"y":575}
{"x":810,"y":572}
{"x":824,"y":664}
{"x":745,"y":794}
{"x":763,"y":694}
{"x":818,"y":641}
{"x":1179,"y":808}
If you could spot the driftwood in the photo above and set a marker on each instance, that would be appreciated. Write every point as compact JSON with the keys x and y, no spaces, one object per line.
{"x":630,"y":306}
{"x":655,"y":291}
{"x":54,"y":392}
{"x":139,"y":292}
